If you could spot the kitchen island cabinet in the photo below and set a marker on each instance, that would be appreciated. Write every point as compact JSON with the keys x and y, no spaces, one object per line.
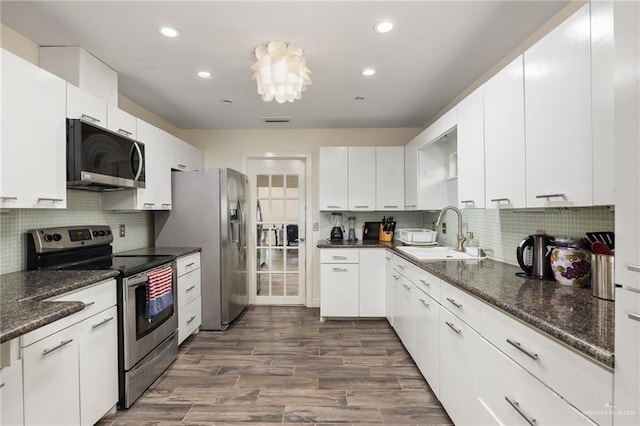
{"x":33,"y":151}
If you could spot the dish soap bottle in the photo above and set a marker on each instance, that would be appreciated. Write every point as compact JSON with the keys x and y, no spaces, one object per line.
{"x":471,"y":240}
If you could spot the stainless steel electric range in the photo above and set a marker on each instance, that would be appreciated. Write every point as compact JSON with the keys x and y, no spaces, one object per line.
{"x":146,"y":347}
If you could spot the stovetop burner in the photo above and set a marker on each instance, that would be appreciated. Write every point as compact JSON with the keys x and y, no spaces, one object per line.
{"x":125,"y":264}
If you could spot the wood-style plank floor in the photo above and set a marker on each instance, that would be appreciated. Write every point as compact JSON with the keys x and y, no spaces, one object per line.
{"x":281,"y":365}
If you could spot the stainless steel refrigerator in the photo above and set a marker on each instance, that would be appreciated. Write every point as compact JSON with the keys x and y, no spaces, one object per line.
{"x":209,"y":211}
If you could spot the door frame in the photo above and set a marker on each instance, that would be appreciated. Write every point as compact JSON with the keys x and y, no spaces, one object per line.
{"x":308,"y":237}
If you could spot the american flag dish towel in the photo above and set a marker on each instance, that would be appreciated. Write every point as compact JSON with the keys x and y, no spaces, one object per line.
{"x":159,"y":292}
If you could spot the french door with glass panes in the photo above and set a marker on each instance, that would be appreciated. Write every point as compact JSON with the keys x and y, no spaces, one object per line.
{"x":279,"y":204}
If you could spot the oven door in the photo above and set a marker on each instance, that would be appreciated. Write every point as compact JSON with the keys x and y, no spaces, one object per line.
{"x":142,"y":335}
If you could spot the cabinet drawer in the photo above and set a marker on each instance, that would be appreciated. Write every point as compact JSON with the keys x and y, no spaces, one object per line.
{"x":518,"y":398}
{"x":462,"y":304}
{"x":551,"y":362}
{"x":189,"y":319}
{"x":189,"y":287}
{"x":428,"y":284}
{"x":188,"y":263}
{"x":96,"y":298}
{"x":339,"y":256}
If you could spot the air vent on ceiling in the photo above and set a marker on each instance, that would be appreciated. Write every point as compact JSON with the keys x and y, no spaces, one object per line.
{"x":276,"y":119}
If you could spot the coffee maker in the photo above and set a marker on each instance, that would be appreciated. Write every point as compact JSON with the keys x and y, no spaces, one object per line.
{"x":337,"y":232}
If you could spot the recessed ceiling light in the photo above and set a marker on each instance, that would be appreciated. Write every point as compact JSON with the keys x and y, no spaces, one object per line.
{"x":383,"y":26}
{"x":204,"y":74}
{"x":168,"y":31}
{"x":368,"y":72}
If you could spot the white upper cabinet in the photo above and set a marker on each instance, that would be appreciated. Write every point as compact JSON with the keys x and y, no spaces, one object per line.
{"x":185,"y":157}
{"x":557,"y":77}
{"x":84,"y":105}
{"x":119,"y":121}
{"x":410,"y":177}
{"x":390,"y":178}
{"x":362,"y":178}
{"x":504,"y":143}
{"x":334,"y":177}
{"x":32,"y":149}
{"x":471,"y":150}
{"x":156,"y":195}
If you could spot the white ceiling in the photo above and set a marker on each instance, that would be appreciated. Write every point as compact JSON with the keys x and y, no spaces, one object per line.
{"x":437,"y":49}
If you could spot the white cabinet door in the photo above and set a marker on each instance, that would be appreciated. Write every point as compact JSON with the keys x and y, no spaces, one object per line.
{"x":11,"y":404}
{"x":362,"y":178}
{"x":185,"y":157}
{"x":390,"y":277}
{"x":157,"y":192}
{"x":390,"y":178}
{"x":627,"y":135}
{"x":427,"y":356}
{"x":410,"y":177}
{"x":471,"y":150}
{"x":372,"y":283}
{"x":334,"y":177}
{"x":405,"y":320}
{"x":84,"y":105}
{"x":33,"y":152}
{"x":121,"y":122}
{"x":458,"y":369}
{"x":189,"y":318}
{"x":339,"y":290}
{"x":557,"y":77}
{"x":626,"y":395}
{"x":51,"y":383}
{"x":98,"y":365}
{"x":504,"y":137}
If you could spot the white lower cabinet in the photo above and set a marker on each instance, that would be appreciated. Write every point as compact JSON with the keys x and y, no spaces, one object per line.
{"x":352,"y":282}
{"x":427,"y":346}
{"x":11,"y":403}
{"x":404,"y":319}
{"x":189,"y":301}
{"x":390,"y":283}
{"x":627,"y":365}
{"x":518,"y":398}
{"x":70,"y":367}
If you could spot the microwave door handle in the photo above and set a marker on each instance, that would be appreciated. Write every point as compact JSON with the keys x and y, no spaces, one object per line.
{"x":141,"y":163}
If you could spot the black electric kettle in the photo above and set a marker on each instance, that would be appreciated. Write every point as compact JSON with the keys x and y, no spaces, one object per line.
{"x":534,"y":257}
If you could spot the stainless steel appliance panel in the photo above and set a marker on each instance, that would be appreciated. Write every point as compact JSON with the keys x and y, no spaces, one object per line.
{"x":209,"y":212}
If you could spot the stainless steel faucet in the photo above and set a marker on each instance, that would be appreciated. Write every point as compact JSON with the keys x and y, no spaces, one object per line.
{"x":460,"y":236}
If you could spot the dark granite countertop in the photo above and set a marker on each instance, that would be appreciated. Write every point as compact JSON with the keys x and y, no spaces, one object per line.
{"x":22,"y":294}
{"x":569,"y":314}
{"x":159,"y":251}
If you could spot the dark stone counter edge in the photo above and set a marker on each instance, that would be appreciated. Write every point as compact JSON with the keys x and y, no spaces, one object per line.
{"x":597,"y":353}
{"x":54,"y":310}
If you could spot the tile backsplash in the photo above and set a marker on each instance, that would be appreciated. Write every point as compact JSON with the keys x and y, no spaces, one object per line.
{"x":83,"y":208}
{"x":500,"y":231}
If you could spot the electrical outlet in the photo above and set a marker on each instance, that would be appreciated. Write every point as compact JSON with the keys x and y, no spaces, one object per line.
{"x":444,"y":227}
{"x":122,"y":230}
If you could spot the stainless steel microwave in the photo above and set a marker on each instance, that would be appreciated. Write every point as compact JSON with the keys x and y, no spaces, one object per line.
{"x":101,"y":160}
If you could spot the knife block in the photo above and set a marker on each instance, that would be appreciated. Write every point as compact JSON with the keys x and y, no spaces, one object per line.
{"x":386,"y":236}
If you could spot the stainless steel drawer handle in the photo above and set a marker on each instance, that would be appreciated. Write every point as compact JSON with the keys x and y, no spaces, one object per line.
{"x":424,"y":302}
{"x":189,"y":265}
{"x":499,"y":200}
{"x":633,"y":316}
{"x":62,"y":344}
{"x":149,"y":204}
{"x":100,"y":324}
{"x":2,"y":385}
{"x":360,"y":207}
{"x":425,"y":282}
{"x":408,"y":287}
{"x":190,"y":320}
{"x":453,"y":327}
{"x":53,"y":200}
{"x":516,"y":406}
{"x":8,"y":198}
{"x":339,"y":257}
{"x":340,"y":269}
{"x":166,"y":204}
{"x":633,"y":268}
{"x":90,"y":118}
{"x":519,"y":347}
{"x":124,"y":132}
{"x":334,"y":207}
{"x":390,"y":207}
{"x":547,"y":196}
{"x":190,"y":288}
{"x":467,"y":202}
{"x":400,"y":267}
{"x":86,"y":305}
{"x":454,"y":303}
{"x":182,"y":166}
{"x":411,"y":206}
{"x":395,"y":277}
{"x":387,"y":258}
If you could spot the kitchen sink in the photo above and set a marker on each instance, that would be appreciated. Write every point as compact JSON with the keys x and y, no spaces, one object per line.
{"x":436,"y":253}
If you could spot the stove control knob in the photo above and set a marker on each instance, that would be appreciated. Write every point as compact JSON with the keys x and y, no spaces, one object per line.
{"x":108,"y":232}
{"x":57,"y":237}
{"x":102,"y":233}
{"x":48,"y":238}
{"x":95,"y":233}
